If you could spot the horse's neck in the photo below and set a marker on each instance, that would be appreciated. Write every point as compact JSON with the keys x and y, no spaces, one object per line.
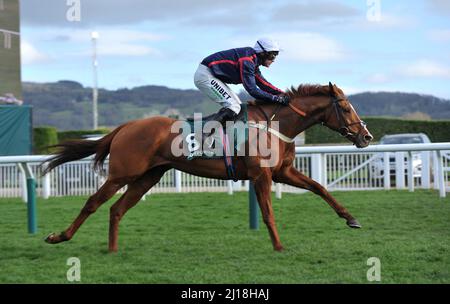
{"x":289,"y":122}
{"x":261,"y":112}
{"x":292,"y":124}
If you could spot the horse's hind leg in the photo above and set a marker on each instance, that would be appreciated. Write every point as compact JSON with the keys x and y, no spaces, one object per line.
{"x":105,"y":192}
{"x":129,"y":199}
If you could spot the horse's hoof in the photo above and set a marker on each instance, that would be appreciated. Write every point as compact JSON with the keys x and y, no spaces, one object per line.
{"x":54,"y":238}
{"x":50,"y":239}
{"x":353,"y":224}
{"x":279,"y":248}
{"x":113,"y":249}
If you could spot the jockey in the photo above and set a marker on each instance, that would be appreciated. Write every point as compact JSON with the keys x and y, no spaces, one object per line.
{"x":237,"y":66}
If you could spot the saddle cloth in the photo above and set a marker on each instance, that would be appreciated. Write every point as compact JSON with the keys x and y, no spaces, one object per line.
{"x":213,"y":146}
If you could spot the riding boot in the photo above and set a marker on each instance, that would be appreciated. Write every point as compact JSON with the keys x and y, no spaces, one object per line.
{"x":221,"y":117}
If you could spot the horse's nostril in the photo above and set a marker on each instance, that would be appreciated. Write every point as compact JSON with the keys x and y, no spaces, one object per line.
{"x":368,"y":137}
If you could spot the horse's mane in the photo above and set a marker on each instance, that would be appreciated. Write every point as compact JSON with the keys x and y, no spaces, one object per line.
{"x":305,"y":90}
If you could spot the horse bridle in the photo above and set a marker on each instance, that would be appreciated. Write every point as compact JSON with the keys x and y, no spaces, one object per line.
{"x":344,"y":128}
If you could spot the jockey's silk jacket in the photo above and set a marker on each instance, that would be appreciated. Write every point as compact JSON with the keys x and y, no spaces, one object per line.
{"x":241,"y":66}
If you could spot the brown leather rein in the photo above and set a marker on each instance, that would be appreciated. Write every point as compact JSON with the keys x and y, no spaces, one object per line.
{"x":343,"y":126}
{"x":298,"y":111}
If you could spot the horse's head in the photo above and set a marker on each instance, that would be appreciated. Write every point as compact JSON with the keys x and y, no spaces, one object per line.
{"x":340,"y":116}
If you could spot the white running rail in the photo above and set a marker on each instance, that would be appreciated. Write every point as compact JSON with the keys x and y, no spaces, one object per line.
{"x":335,"y":167}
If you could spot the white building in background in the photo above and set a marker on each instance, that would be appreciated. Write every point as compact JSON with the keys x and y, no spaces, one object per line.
{"x":10,"y":76}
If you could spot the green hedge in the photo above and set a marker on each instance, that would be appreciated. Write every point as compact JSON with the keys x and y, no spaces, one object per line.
{"x":78,"y":134}
{"x":437,"y":131}
{"x":42,"y":138}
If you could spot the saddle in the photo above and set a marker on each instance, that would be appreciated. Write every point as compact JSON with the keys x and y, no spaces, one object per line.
{"x":242,"y":116}
{"x":219,"y":144}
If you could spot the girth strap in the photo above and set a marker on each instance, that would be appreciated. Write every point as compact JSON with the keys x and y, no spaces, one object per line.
{"x":270,"y":130}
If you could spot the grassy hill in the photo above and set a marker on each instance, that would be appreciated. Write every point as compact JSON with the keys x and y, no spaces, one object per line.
{"x":400,"y":105}
{"x":67,"y":104}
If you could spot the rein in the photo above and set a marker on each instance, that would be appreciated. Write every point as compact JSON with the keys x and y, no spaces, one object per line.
{"x":343,"y":126}
{"x":267,"y":127}
{"x":298,"y":111}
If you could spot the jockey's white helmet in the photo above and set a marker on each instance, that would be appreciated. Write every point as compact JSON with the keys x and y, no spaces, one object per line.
{"x":266,"y":45}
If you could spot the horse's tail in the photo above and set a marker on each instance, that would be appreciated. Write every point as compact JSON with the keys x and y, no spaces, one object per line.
{"x":78,"y":149}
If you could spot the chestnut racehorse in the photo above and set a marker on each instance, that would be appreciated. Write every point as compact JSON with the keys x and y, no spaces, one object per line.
{"x":140,"y":154}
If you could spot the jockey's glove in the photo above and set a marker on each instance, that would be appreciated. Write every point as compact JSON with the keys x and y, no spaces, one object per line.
{"x":283,"y":99}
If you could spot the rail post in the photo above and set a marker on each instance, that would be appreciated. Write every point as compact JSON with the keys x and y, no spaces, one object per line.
{"x":253,"y":208}
{"x":31,"y":197}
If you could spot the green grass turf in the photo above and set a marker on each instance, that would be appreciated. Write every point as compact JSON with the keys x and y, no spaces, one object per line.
{"x":204,"y":238}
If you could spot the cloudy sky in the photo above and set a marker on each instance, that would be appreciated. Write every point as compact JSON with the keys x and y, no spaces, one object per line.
{"x":361,"y":45}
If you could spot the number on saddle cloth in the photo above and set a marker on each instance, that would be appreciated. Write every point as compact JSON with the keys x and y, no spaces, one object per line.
{"x":209,"y":147}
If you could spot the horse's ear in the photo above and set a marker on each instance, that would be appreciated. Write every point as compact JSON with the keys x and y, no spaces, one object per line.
{"x":330,"y":86}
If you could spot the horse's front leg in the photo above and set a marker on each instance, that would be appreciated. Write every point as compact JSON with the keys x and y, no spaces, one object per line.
{"x":262,"y":188}
{"x":293,"y":177}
